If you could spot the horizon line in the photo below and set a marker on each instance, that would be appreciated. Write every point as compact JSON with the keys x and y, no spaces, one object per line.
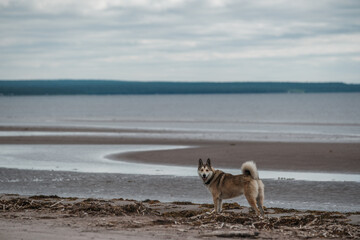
{"x":177,"y":81}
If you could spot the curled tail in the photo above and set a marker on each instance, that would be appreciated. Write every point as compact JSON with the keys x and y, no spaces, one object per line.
{"x":249,"y":168}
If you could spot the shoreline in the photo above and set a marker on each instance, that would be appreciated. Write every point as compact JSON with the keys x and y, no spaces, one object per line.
{"x":273,"y":156}
{"x":40,"y":217}
{"x":281,"y":193}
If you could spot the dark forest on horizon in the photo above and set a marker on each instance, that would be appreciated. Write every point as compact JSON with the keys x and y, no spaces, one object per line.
{"x":110,"y":87}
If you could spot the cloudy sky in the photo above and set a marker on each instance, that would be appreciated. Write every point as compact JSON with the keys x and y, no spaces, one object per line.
{"x":181,"y":40}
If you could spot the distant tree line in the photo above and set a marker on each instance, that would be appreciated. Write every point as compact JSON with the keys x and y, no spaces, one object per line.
{"x":107,"y":87}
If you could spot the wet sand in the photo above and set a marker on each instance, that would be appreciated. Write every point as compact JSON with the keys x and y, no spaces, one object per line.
{"x":293,"y":156}
{"x":314,"y":157}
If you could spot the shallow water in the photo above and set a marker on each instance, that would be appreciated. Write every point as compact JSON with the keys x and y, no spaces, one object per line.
{"x":83,"y":158}
{"x":329,"y":196}
{"x":93,"y":159}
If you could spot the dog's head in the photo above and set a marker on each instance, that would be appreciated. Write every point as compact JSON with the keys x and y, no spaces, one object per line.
{"x":205,"y":171}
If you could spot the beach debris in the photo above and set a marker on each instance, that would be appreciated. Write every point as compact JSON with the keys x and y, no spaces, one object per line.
{"x":56,"y":203}
{"x":232,"y":223}
{"x":305,"y":225}
{"x":88,"y":206}
{"x":151,"y":201}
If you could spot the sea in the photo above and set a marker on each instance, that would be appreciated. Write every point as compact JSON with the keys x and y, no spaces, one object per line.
{"x":275,"y":117}
{"x":85,"y":170}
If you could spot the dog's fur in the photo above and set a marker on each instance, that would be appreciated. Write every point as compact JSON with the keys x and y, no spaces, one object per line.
{"x":224,"y":185}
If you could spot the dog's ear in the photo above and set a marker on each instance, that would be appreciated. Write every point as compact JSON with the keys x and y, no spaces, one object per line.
{"x":208,"y":162}
{"x":200,"y":163}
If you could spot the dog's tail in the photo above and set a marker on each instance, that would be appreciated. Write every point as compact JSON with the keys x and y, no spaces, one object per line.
{"x":249,"y":168}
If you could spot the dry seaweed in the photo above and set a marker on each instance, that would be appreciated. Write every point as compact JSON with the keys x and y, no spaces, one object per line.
{"x":183,"y":203}
{"x":37,"y":197}
{"x":308,"y":225}
{"x":226,"y":206}
{"x":284,"y":210}
{"x":291,"y":223}
{"x":90,"y":207}
{"x":183,"y":213}
{"x":151,"y":201}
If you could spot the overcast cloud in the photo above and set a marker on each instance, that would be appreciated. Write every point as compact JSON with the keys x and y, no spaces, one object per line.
{"x":181,"y":40}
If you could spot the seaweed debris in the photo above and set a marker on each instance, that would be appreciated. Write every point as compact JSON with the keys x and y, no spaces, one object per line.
{"x":321,"y":225}
{"x":82,"y":208}
{"x":231,"y":223}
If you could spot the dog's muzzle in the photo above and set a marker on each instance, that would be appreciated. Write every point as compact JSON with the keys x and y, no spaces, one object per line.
{"x":204,"y":176}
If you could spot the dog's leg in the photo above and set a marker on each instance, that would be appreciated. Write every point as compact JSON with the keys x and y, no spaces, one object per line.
{"x":251,"y":200}
{"x":219,"y":205}
{"x":252,"y":203}
{"x":260,"y":205}
{"x":216,"y":203}
{"x":260,"y":197}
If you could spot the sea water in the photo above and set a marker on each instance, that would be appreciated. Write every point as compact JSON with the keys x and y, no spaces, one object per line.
{"x":266,"y":117}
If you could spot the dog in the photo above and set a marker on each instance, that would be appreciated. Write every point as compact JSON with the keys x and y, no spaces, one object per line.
{"x":225,"y":186}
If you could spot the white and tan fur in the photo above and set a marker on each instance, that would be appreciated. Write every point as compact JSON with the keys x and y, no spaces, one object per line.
{"x":225,"y":185}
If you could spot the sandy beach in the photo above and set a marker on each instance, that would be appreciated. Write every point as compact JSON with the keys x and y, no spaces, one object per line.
{"x":44,"y":217}
{"x":24,"y":217}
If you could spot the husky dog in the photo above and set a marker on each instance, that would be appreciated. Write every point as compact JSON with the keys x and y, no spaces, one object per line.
{"x":224,"y":185}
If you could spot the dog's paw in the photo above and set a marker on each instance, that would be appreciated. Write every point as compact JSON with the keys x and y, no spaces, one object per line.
{"x":210,"y":213}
